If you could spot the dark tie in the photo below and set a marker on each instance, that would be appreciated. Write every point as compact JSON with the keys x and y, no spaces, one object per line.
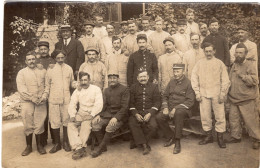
{"x":65,"y":42}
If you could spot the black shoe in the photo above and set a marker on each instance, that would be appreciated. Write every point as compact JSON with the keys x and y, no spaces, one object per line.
{"x":232,"y":140}
{"x":40,"y":148}
{"x":146,"y":149}
{"x":177,"y":147}
{"x":57,"y":144}
{"x":221,"y":142}
{"x":66,"y":144}
{"x":96,"y":153}
{"x":207,"y":139}
{"x":79,"y":154}
{"x":28,"y":148}
{"x":55,"y":148}
{"x":132,"y":144}
{"x":169,"y":142}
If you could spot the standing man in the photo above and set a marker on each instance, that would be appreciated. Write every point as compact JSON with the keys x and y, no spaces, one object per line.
{"x":95,"y":68}
{"x":107,"y":41}
{"x":204,"y":32}
{"x":219,"y":41}
{"x":90,"y":40}
{"x":30,"y":85}
{"x":114,"y":113}
{"x":142,"y":58}
{"x":59,"y":80}
{"x":181,"y":39}
{"x":192,"y":27}
{"x":166,"y":61}
{"x":90,"y":103}
{"x":146,"y":26}
{"x":124,"y":29}
{"x":117,"y":61}
{"x":209,"y":80}
{"x":145,"y":101}
{"x":156,"y":38}
{"x":242,"y":95}
{"x":178,"y":99}
{"x":193,"y":55}
{"x":72,"y":48}
{"x":99,"y":30}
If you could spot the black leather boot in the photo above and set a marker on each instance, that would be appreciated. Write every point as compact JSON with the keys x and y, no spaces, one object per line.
{"x":221,"y":142}
{"x":40,"y":148}
{"x":177,"y":147}
{"x":100,"y":135}
{"x":101,"y":146}
{"x":66,"y":144}
{"x":57,"y":145}
{"x":207,"y":139}
{"x":146,"y":149}
{"x":28,"y":148}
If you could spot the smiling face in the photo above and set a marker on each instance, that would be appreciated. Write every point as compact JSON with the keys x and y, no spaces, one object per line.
{"x":66,"y":34}
{"x":30,"y":61}
{"x":178,"y":73}
{"x":143,"y":78}
{"x":112,"y":80}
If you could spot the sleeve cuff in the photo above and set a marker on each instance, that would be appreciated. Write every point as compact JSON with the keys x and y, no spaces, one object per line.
{"x":181,"y":106}
{"x":164,"y":105}
{"x":133,"y":110}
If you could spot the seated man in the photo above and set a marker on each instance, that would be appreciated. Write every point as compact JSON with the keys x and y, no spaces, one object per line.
{"x":114,"y":113}
{"x":178,"y":98}
{"x":90,"y":102}
{"x":145,"y":101}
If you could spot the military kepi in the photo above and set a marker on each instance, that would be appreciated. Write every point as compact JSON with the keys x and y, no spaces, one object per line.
{"x":65,"y":27}
{"x":178,"y":66}
{"x":113,"y":73}
{"x":141,"y":36}
{"x":43,"y":43}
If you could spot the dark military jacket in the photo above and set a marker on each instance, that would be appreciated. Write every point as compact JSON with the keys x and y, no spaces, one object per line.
{"x":45,"y":61}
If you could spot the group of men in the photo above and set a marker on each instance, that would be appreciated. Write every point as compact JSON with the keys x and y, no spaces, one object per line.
{"x":141,"y":79}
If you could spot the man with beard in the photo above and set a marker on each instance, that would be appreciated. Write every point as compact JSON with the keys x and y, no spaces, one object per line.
{"x":242,"y":95}
{"x":30,"y":85}
{"x":95,"y":68}
{"x":178,"y":99}
{"x":145,"y":102}
{"x":90,"y":40}
{"x":142,"y":58}
{"x":146,"y":26}
{"x":99,"y":30}
{"x":114,"y":113}
{"x":124,"y":29}
{"x":193,"y":55}
{"x":209,"y":80}
{"x":219,"y":41}
{"x":181,"y":39}
{"x":204,"y":32}
{"x":166,"y":61}
{"x":192,"y":27}
{"x":155,"y":40}
{"x":107,"y":41}
{"x":90,"y":101}
{"x":117,"y":61}
{"x":58,"y":82}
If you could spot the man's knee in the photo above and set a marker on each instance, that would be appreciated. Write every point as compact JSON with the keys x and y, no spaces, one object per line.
{"x":160,"y":117}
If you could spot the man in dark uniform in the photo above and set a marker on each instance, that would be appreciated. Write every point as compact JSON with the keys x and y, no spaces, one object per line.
{"x":45,"y":61}
{"x":178,"y":99}
{"x":73,"y":49}
{"x":142,"y":58}
{"x":145,"y":102}
{"x":114,"y":113}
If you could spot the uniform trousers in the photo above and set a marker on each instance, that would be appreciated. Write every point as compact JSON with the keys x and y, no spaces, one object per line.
{"x":105,"y":122}
{"x":142,"y":131}
{"x":249,"y":114}
{"x":58,"y":115}
{"x":33,"y":117}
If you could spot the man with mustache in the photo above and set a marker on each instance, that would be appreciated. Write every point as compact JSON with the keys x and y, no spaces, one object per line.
{"x":146,"y":26}
{"x":242,"y":95}
{"x":90,"y":101}
{"x":166,"y":61}
{"x":192,"y":27}
{"x":114,"y":113}
{"x":30,"y":84}
{"x":204,"y":32}
{"x":219,"y":41}
{"x":99,"y":30}
{"x":95,"y":68}
{"x":155,"y":40}
{"x":209,"y":80}
{"x":178,"y":99}
{"x":145,"y":101}
{"x":142,"y":58}
{"x":124,"y":29}
{"x":90,"y":40}
{"x":181,"y":39}
{"x":107,"y":41}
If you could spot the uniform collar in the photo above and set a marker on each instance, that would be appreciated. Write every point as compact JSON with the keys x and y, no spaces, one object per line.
{"x":181,"y":80}
{"x":144,"y":85}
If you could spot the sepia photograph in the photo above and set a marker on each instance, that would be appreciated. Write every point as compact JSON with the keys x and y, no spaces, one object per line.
{"x":130,"y":84}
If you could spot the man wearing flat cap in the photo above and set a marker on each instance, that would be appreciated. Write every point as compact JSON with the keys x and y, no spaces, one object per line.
{"x":117,"y":60}
{"x":72,"y":48}
{"x":146,"y":26}
{"x":166,"y":61}
{"x":114,"y":113}
{"x":219,"y":41}
{"x":90,"y":40}
{"x":178,"y":99}
{"x":95,"y":68}
{"x":192,"y":27}
{"x":181,"y":39}
{"x":142,"y":58}
{"x":155,"y":40}
{"x":145,"y":101}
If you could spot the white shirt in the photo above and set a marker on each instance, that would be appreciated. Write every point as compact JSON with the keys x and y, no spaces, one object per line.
{"x":68,"y":41}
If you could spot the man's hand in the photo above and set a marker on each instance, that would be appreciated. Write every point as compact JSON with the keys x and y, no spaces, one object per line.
{"x":113,"y":121}
{"x":96,"y":119}
{"x":198,"y":98}
{"x":35,"y":100}
{"x":72,"y":119}
{"x":42,"y":100}
{"x":155,"y":81}
{"x":221,"y":99}
{"x":147,"y":117}
{"x":171,"y":114}
{"x":139,"y":118}
{"x":166,"y":111}
{"x":51,"y":66}
{"x":126,"y":53}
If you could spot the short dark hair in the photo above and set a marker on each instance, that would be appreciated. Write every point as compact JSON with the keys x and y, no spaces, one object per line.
{"x":207,"y":44}
{"x":57,"y":52}
{"x":242,"y":45}
{"x":82,"y":74}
